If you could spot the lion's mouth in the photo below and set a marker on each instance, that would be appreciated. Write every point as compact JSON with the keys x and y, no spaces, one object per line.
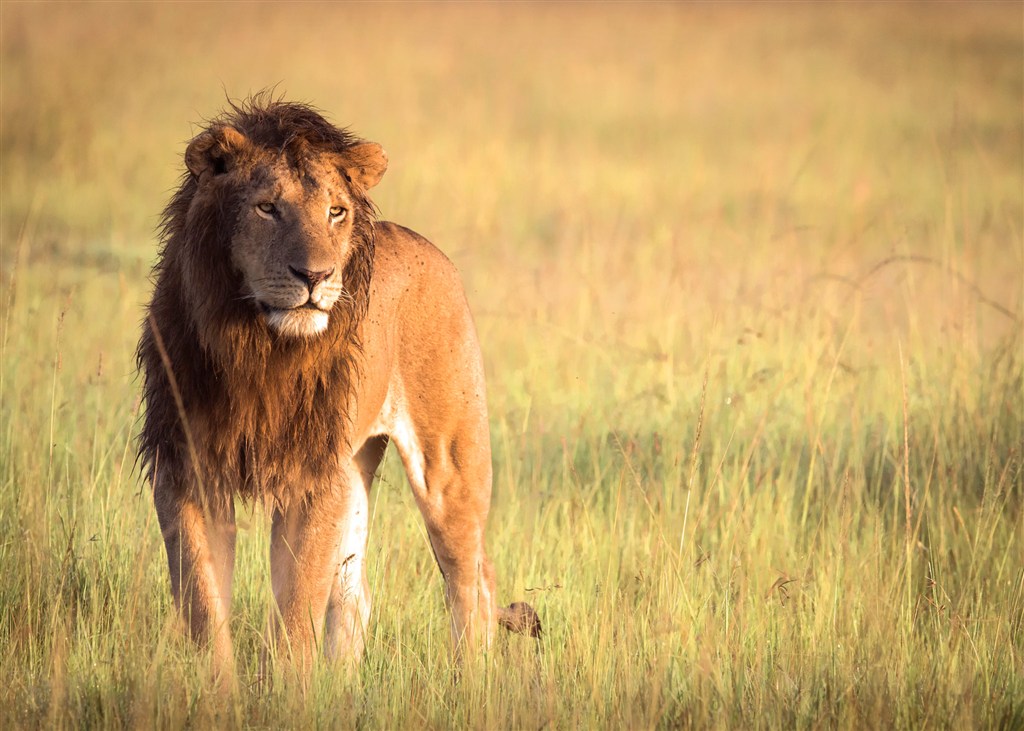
{"x":305,"y":320}
{"x":307,"y":305}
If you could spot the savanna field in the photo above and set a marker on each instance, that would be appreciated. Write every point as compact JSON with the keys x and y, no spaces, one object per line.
{"x":748,"y":281}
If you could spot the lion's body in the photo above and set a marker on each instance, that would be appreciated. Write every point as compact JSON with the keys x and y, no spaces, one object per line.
{"x":290,"y":336}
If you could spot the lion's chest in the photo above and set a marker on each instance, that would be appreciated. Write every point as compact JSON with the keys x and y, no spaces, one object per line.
{"x":271,"y":437}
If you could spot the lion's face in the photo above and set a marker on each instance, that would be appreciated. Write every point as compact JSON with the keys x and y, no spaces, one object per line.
{"x":296,"y":213}
{"x":292,"y":241}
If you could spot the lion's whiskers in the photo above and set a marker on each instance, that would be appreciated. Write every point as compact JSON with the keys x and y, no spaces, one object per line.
{"x":345,"y":296}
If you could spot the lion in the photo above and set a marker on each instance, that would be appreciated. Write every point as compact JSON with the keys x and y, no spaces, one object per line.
{"x":290,"y":337}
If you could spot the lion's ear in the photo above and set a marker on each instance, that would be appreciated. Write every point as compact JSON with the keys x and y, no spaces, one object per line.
{"x":365,"y":164}
{"x":214,"y":150}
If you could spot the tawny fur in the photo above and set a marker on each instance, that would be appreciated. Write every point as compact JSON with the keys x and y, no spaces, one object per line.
{"x":289,"y":337}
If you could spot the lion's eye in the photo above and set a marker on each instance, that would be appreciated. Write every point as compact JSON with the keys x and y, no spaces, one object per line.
{"x":338,"y":213}
{"x":267,"y":208}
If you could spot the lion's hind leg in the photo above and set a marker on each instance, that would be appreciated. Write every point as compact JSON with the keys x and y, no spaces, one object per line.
{"x":456,"y":537}
{"x":451,"y":481}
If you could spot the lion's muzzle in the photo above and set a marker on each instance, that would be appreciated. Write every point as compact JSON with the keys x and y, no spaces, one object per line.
{"x":310,"y":278}
{"x":303,"y":321}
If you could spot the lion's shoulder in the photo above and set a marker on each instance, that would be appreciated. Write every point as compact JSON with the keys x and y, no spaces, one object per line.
{"x":404,"y":257}
{"x":416,"y":289}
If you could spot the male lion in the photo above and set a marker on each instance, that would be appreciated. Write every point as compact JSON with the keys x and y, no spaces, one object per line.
{"x":289,"y":337}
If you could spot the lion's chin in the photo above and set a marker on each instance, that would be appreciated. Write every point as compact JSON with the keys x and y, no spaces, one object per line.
{"x":302,"y":322}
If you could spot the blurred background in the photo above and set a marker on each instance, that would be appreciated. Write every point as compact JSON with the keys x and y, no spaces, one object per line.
{"x":628,"y":179}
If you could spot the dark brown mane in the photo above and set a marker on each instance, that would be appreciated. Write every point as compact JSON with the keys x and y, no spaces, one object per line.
{"x":267,"y":416}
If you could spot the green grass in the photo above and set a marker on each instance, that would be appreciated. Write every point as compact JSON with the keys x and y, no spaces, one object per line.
{"x":749,"y":286}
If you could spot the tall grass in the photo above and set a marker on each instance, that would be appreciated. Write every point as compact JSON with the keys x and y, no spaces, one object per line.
{"x":749,"y":286}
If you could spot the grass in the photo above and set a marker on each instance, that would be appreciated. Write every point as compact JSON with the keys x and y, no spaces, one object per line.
{"x":749,"y":286}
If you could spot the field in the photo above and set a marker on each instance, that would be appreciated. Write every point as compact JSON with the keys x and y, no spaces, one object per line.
{"x":750,"y":286}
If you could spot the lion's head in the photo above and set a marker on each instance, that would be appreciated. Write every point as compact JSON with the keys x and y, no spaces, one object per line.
{"x":296,"y":188}
{"x":261,"y":286}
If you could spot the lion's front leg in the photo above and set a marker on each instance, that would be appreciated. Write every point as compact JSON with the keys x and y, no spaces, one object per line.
{"x":305,"y":541}
{"x":348,"y":605}
{"x":200,"y":543}
{"x":348,"y":608}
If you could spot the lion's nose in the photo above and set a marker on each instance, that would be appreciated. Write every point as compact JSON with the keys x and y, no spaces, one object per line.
{"x":310,"y":278}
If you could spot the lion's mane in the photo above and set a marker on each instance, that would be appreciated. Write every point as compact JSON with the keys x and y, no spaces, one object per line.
{"x":241,"y":408}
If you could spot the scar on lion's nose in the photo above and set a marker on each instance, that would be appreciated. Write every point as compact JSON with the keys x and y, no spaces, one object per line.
{"x":309,"y":278}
